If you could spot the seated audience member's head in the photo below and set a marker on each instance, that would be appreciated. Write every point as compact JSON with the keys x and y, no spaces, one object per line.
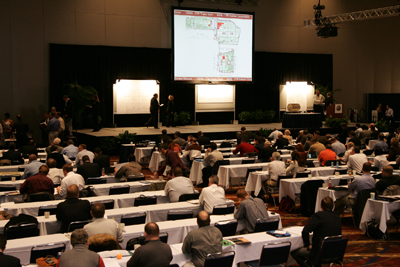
{"x":3,"y":243}
{"x":51,"y":163}
{"x":387,"y":171}
{"x":378,"y":151}
{"x":44,"y":169}
{"x":356,"y":149}
{"x":259,"y":140}
{"x":177,"y":134}
{"x":276,"y":156}
{"x":317,"y":133}
{"x":189,"y":138}
{"x":344,"y":125}
{"x":327,"y":204}
{"x":241,"y":194}
{"x":57,"y":141}
{"x":199,"y":133}
{"x":151,"y":231}
{"x":98,"y":209}
{"x":70,"y":142}
{"x":381,"y":137}
{"x":32,"y":157}
{"x":32,"y":142}
{"x":267,"y":143}
{"x":333,"y":140}
{"x":79,"y":236}
{"x":243,"y":141}
{"x":280,"y":135}
{"x":58,"y":114}
{"x":164,"y":131}
{"x":53,"y":148}
{"x":97,"y":151}
{"x":203,"y":219}
{"x":131,"y":158}
{"x":163,"y":148}
{"x":11,"y":146}
{"x":85,"y":159}
{"x":299,"y":147}
{"x":82,"y":147}
{"x":213,"y":146}
{"x":366,"y":167}
{"x":309,"y":137}
{"x":193,"y":140}
{"x":243,"y":129}
{"x":287,"y":132}
{"x":350,"y":145}
{"x":176,"y":172}
{"x":72,"y":191}
{"x":328,"y":137}
{"x":67,"y":168}
{"x":328,"y":146}
{"x":394,"y":142}
{"x":351,"y":134}
{"x":313,"y":141}
{"x":213,"y":180}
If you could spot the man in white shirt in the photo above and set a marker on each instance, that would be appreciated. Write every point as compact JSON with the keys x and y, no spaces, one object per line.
{"x":356,"y":159}
{"x":178,"y":185}
{"x":380,"y":159}
{"x":275,"y":168}
{"x":212,"y":195}
{"x":56,"y":175}
{"x":100,"y":225}
{"x":319,"y":102}
{"x":70,"y":179}
{"x":274,"y":134}
{"x":83,"y":152}
{"x":350,"y":147}
{"x":212,"y":155}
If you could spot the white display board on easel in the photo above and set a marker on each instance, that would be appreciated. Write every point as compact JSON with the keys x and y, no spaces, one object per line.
{"x":296,"y":92}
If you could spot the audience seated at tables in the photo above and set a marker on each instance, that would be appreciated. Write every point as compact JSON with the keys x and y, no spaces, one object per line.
{"x":72,"y":209}
{"x":320,"y":138}
{"x":244,"y":148}
{"x":29,"y":149}
{"x":178,"y":185}
{"x":387,"y":179}
{"x":212,"y":155}
{"x":164,"y":137}
{"x":350,"y":148}
{"x":212,"y":195}
{"x":200,"y":242}
{"x":88,"y":169}
{"x":70,"y":150}
{"x":172,"y":160}
{"x":297,"y":164}
{"x":356,"y":159}
{"x":266,"y":153}
{"x":354,"y":139}
{"x":145,"y":254}
{"x":6,"y":260}
{"x":33,"y":167}
{"x":394,"y":150}
{"x":259,"y":144}
{"x":101,"y":225}
{"x":381,"y":143}
{"x":203,"y":140}
{"x":130,"y":168}
{"x":56,"y":142}
{"x":12,"y":154}
{"x":55,"y":174}
{"x":307,"y":144}
{"x":60,"y":158}
{"x":365,"y":181}
{"x":250,"y":209}
{"x":38,"y":183}
{"x":244,"y":134}
{"x":274,"y":134}
{"x":288,"y":136}
{"x":101,"y":159}
{"x":380,"y":159}
{"x":83,"y":152}
{"x":281,"y":142}
{"x":327,"y":154}
{"x":178,"y":139}
{"x":338,"y":147}
{"x":316,"y":146}
{"x":274,"y":168}
{"x":70,"y":178}
{"x":80,"y":255}
{"x":322,"y":224}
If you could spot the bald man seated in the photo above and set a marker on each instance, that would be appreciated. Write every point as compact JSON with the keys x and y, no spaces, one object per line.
{"x":145,"y":255}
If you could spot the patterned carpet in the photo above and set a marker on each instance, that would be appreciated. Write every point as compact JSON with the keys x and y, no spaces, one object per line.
{"x":361,"y":250}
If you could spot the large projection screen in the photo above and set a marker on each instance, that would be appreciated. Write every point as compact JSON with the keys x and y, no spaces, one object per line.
{"x":212,"y":45}
{"x":133,"y":96}
{"x":214,"y":98}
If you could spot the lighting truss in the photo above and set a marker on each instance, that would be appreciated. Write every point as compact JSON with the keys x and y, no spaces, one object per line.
{"x":377,"y":13}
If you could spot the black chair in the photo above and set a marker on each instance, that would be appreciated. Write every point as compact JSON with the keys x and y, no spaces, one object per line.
{"x":219,"y":259}
{"x":248,"y":161}
{"x":41,"y":196}
{"x":219,"y":163}
{"x":96,"y":180}
{"x":40,"y":251}
{"x":108,"y":203}
{"x":223,"y":209}
{"x":163,"y":238}
{"x":22,"y":230}
{"x":272,"y":254}
{"x":368,"y":152}
{"x":310,"y":164}
{"x":77,"y":225}
{"x":51,"y":208}
{"x":4,"y":178}
{"x":302,"y":174}
{"x":16,"y":162}
{"x":21,"y":169}
{"x":135,"y":218}
{"x":186,"y":197}
{"x":179,"y":215}
{"x":273,"y":190}
{"x":117,"y":190}
{"x":4,"y":188}
{"x":227,"y":227}
{"x":333,"y":249}
{"x":142,"y":200}
{"x":264,"y":224}
{"x":134,"y":178}
{"x":226,"y":156}
{"x":225,"y":150}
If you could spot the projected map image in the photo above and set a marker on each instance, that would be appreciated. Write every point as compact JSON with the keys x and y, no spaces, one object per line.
{"x":211,"y":46}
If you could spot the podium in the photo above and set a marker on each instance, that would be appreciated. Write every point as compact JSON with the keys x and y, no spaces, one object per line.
{"x":334,"y":111}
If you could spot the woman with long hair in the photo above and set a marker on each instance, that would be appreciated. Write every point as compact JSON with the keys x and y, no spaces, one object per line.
{"x":295,"y":165}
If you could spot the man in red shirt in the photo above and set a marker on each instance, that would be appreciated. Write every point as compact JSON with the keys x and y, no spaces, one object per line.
{"x":327,"y":154}
{"x":244,"y":148}
{"x":38,"y":183}
{"x":172,"y":159}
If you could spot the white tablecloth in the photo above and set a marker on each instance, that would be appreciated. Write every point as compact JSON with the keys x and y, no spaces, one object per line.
{"x":141,"y":152}
{"x":377,"y":209}
{"x":255,"y":180}
{"x":325,"y":192}
{"x":104,"y":189}
{"x":239,"y":170}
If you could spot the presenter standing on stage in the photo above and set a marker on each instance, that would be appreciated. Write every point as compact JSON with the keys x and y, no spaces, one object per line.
{"x":319,"y":103}
{"x":170,"y":111}
{"x":154,"y":109}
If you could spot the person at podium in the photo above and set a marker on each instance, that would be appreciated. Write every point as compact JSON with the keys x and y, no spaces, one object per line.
{"x":319,"y":103}
{"x":329,"y":99}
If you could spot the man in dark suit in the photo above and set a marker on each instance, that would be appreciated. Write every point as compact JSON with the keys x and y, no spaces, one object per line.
{"x":281,"y":142}
{"x":7,"y":261}
{"x":203,"y":140}
{"x":58,"y":157}
{"x":102,"y":160}
{"x":29,"y":149}
{"x":171,"y":109}
{"x":88,"y":169}
{"x":387,"y":179}
{"x":323,"y":223}
{"x":12,"y":154}
{"x":164,"y":137}
{"x":266,"y":153}
{"x":72,"y":209}
{"x":243,"y":134}
{"x":154,"y":109}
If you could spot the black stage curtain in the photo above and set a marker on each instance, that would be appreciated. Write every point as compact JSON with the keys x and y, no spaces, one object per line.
{"x":100,"y":66}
